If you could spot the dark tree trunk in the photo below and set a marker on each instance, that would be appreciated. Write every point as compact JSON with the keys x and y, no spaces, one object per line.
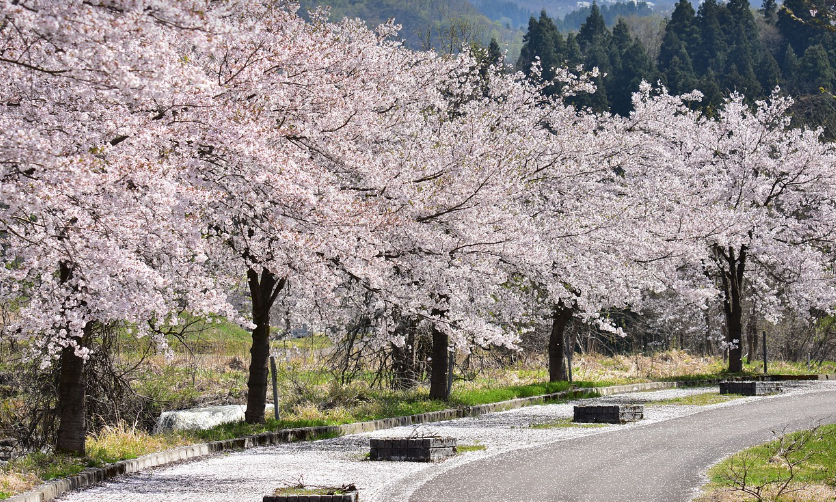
{"x":263,"y":292}
{"x":438,"y":371}
{"x":561,"y":315}
{"x":72,"y":412}
{"x":732,"y":268}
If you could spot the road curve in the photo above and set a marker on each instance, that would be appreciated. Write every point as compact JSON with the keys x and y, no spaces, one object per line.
{"x":662,"y":462}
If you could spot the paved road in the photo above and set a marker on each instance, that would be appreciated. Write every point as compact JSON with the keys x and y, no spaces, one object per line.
{"x":660,"y":462}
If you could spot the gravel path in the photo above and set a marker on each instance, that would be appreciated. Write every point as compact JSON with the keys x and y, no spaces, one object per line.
{"x":250,"y":474}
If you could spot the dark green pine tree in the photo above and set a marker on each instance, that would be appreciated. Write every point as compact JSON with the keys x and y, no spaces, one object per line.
{"x":593,"y":31}
{"x":680,"y":75}
{"x":596,"y":57}
{"x":816,"y":72}
{"x":574,"y":56}
{"x":540,"y":41}
{"x":769,"y":9}
{"x":712,"y":97}
{"x":790,"y":68}
{"x":768,"y":72}
{"x":621,"y":39}
{"x":683,"y":22}
{"x":636,"y":66}
{"x":713,"y":39}
{"x":670,"y":48}
{"x":744,"y":32}
{"x":740,"y":73}
{"x":494,"y":55}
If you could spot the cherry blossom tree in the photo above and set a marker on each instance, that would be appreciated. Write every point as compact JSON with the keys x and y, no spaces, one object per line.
{"x":744,"y":197}
{"x":96,"y":223}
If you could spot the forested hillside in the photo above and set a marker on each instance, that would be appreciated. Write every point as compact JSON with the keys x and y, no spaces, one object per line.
{"x":443,"y":25}
{"x":718,"y":48}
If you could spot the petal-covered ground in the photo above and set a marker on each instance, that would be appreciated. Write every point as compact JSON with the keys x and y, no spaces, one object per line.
{"x":508,"y":437}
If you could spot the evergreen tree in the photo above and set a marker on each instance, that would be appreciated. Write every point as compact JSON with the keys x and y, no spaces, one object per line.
{"x":790,"y":69}
{"x":816,"y":71}
{"x":494,"y":52}
{"x":574,"y":56}
{"x":769,"y":9}
{"x":680,"y":75}
{"x":743,"y":78}
{"x":670,"y":48}
{"x":621,"y":36}
{"x":712,"y":97}
{"x":594,"y":31}
{"x":636,"y":66}
{"x":769,"y":73}
{"x":540,"y":41}
{"x":683,"y":22}
{"x":714,"y":44}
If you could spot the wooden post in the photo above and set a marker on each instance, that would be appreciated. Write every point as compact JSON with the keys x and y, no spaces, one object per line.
{"x":764,"y":353}
{"x":275,"y":387}
{"x":451,"y":363}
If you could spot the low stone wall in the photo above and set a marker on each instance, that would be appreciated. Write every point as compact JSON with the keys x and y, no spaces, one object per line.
{"x":610,"y":414}
{"x":345,"y":497}
{"x":423,"y":449}
{"x":751,"y":388}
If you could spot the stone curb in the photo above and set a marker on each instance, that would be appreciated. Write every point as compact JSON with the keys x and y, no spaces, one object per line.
{"x":51,"y":490}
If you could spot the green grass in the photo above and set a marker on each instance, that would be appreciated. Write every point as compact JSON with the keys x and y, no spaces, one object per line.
{"x":304,"y":490}
{"x":240,"y":429}
{"x":703,"y":399}
{"x":565,"y":423}
{"x":472,"y":397}
{"x":369,"y":404}
{"x":470,"y":447}
{"x":764,"y":467}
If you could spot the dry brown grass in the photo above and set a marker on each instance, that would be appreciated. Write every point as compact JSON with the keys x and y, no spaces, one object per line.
{"x":14,"y":481}
{"x":799,"y":493}
{"x":638,"y":368}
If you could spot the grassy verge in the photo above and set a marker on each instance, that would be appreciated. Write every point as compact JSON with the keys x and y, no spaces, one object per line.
{"x":110,"y":445}
{"x":802,"y":462}
{"x":704,"y":399}
{"x":464,"y":448}
{"x":566,"y":423}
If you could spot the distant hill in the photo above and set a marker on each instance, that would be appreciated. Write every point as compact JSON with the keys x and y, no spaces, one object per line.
{"x":560,"y":8}
{"x":435,"y":23}
{"x":445,"y":25}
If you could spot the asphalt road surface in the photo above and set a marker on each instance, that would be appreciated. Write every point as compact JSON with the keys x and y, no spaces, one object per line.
{"x":661,"y":462}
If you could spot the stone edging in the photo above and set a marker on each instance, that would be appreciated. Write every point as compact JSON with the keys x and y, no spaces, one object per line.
{"x":51,"y":490}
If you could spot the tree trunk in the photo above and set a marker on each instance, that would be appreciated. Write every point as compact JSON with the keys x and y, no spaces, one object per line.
{"x":438,"y":371}
{"x":72,"y":412}
{"x":732,"y":279}
{"x":561,"y":316}
{"x":263,"y":292}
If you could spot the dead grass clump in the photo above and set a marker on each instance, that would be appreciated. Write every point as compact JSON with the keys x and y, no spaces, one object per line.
{"x":13,"y":481}
{"x":123,"y":441}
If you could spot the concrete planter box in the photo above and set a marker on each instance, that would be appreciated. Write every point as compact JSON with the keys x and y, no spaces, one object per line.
{"x":751,"y":388}
{"x":609,"y":414}
{"x":422,"y":449}
{"x":349,"y":496}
